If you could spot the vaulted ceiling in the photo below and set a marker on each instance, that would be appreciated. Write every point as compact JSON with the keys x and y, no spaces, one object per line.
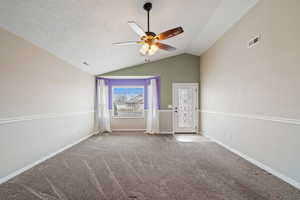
{"x":79,"y":31}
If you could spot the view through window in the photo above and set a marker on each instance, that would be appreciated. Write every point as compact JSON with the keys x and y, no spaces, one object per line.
{"x":128,"y":101}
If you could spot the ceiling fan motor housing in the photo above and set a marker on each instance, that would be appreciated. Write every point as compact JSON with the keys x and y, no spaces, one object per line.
{"x":148,"y":6}
{"x":150,"y":34}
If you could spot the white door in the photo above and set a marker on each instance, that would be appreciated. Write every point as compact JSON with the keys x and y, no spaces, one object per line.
{"x":185,"y":107}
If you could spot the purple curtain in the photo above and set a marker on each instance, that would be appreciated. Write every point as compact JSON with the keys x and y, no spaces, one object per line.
{"x":133,"y":82}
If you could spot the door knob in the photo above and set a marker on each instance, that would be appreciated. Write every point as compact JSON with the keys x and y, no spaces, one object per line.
{"x":175,"y":109}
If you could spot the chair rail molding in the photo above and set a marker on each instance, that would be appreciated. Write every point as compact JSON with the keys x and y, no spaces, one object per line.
{"x":165,"y":111}
{"x":255,"y":117}
{"x":41,"y":116}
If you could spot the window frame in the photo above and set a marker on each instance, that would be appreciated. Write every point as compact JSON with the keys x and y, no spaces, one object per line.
{"x":112,"y":101}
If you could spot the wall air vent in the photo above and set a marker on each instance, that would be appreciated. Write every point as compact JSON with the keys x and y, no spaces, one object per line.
{"x":86,"y":64}
{"x":254,"y":41}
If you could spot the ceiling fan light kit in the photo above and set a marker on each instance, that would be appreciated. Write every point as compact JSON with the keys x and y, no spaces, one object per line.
{"x":150,"y":40}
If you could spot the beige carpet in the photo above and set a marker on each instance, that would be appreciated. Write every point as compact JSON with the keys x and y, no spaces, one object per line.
{"x":191,"y":138}
{"x":140,"y":167}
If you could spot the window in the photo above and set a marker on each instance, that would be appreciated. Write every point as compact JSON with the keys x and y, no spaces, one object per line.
{"x":128,"y":101}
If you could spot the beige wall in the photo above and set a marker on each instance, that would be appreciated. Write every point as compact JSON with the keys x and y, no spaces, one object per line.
{"x":45,"y":103}
{"x":250,"y":98}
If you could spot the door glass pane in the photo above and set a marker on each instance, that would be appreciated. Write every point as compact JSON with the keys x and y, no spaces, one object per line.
{"x":185,"y":107}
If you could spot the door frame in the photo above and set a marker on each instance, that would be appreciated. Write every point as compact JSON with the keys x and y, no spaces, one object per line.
{"x":196,"y":118}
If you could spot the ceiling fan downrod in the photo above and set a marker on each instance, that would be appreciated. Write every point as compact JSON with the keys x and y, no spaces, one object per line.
{"x":148,"y":7}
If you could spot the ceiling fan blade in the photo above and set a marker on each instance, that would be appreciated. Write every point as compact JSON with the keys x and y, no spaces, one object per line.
{"x":127,"y":43}
{"x":170,"y":33}
{"x":165,"y":46}
{"x":136,"y":28}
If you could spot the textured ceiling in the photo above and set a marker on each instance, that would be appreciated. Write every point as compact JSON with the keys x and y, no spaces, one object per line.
{"x":80,"y":31}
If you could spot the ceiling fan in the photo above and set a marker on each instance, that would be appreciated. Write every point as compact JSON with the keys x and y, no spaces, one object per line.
{"x":150,"y":40}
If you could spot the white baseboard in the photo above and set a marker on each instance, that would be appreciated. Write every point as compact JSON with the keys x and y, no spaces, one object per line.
{"x":142,"y":130}
{"x":19,"y":171}
{"x":127,"y":130}
{"x":166,"y":133}
{"x":259,"y":164}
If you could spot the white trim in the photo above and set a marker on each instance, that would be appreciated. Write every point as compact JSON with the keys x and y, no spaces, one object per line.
{"x":258,"y":164}
{"x":166,"y":132}
{"x":256,"y":117}
{"x":41,"y":116}
{"x":126,"y":77}
{"x":140,"y":130}
{"x":162,"y":111}
{"x":20,"y":171}
{"x":146,"y":110}
{"x":186,"y":84}
{"x":142,"y":117}
{"x":127,"y":130}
